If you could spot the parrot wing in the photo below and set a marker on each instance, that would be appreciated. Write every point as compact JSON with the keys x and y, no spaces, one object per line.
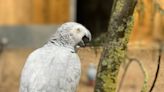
{"x":51,"y":70}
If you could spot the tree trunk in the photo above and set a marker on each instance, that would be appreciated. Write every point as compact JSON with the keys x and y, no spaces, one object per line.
{"x":120,"y":26}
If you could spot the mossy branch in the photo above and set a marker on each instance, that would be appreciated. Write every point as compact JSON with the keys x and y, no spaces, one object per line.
{"x":120,"y":26}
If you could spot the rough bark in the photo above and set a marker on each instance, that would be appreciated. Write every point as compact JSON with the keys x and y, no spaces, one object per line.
{"x":120,"y":26}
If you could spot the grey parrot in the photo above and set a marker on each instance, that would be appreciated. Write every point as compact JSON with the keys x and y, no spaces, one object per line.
{"x":56,"y":67}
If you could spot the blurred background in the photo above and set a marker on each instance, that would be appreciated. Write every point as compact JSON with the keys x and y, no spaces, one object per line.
{"x":27,"y":24}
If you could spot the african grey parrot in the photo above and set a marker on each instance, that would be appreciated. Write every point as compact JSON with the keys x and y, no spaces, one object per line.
{"x":56,"y":67}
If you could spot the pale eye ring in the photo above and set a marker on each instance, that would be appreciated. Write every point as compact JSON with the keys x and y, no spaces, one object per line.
{"x":78,"y":30}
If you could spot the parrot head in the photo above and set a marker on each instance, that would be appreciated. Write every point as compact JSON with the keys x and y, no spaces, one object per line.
{"x":81,"y":35}
{"x":71,"y":34}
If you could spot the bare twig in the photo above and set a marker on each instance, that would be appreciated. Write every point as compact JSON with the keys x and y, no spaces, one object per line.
{"x":158,"y":67}
{"x":144,"y":88}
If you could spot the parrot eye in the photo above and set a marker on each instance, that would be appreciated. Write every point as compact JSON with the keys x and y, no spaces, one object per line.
{"x":78,"y":30}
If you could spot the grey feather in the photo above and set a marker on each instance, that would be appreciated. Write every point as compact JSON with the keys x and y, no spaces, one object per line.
{"x":55,"y":67}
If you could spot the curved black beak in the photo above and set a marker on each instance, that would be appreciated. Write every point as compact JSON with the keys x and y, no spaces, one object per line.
{"x":84,"y":42}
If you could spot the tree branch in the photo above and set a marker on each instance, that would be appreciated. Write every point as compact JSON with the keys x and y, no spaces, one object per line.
{"x":120,"y":26}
